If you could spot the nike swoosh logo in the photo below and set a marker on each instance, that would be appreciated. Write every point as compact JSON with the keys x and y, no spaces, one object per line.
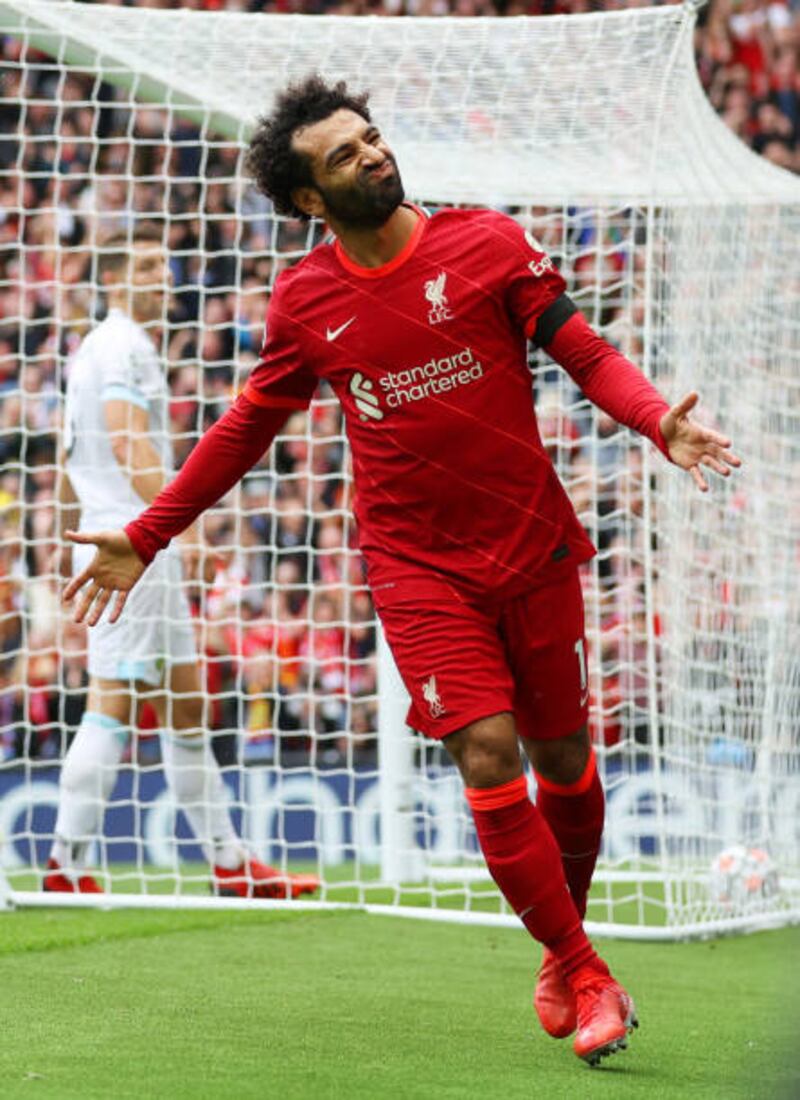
{"x":333,"y":333}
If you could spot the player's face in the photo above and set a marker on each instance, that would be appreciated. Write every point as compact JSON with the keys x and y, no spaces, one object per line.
{"x":149,"y":278}
{"x":356,"y":180}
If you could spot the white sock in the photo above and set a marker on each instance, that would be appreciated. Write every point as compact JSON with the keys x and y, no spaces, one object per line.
{"x":199,"y":790}
{"x":87,"y":779}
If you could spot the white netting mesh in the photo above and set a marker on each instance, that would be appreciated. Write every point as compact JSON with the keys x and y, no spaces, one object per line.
{"x":595,"y":107}
{"x":678,"y":244}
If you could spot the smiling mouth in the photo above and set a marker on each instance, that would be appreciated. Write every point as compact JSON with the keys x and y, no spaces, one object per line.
{"x":382,"y":173}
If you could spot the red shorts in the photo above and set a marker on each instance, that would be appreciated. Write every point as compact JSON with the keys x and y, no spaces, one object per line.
{"x":461,"y":662}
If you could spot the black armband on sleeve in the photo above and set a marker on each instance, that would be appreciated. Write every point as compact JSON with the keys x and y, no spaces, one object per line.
{"x":552,"y":319}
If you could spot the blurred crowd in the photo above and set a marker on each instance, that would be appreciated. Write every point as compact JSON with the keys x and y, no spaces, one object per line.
{"x":287,"y":628}
{"x":747,"y":57}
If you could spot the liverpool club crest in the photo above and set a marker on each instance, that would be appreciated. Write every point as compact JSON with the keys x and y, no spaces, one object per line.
{"x":434,"y":292}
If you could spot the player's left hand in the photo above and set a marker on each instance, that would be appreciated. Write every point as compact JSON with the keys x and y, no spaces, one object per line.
{"x":691,"y":445}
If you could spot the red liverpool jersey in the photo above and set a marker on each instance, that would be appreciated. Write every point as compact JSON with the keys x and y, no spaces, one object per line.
{"x":427,"y":355}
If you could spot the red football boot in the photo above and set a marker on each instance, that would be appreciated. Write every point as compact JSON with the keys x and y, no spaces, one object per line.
{"x":257,"y":880}
{"x":58,"y":883}
{"x":554,"y":1000}
{"x":606,"y":1014}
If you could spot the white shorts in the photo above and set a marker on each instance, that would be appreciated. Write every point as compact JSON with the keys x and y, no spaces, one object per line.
{"x":154,"y":631}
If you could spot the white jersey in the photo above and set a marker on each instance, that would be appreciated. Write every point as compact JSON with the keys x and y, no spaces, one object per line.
{"x":116,"y":361}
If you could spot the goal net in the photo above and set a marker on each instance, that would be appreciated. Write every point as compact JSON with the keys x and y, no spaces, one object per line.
{"x":679,"y":244}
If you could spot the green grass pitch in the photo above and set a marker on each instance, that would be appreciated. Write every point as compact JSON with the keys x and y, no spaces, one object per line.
{"x":337,"y":1005}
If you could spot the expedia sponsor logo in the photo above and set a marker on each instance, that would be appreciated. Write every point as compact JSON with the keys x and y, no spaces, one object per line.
{"x":539,"y":267}
{"x":431,"y":378}
{"x":544,"y":263}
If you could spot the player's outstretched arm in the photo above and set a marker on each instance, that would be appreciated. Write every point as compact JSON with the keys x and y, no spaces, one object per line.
{"x":691,"y":445}
{"x":615,"y":385}
{"x":221,"y":458}
{"x":112,"y":572}
{"x":224,"y":454}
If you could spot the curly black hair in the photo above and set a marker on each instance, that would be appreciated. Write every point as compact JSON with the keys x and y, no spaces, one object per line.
{"x":276,"y":168}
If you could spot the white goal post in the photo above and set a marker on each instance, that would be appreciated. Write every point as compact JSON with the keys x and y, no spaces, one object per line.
{"x":681,"y":247}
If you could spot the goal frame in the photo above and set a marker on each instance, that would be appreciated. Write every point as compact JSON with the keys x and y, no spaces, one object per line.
{"x":401,"y":858}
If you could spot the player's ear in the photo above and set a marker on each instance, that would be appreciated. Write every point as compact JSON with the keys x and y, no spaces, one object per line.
{"x":309,"y":200}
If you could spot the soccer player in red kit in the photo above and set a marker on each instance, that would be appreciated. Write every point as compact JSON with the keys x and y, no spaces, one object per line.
{"x":420,"y":324}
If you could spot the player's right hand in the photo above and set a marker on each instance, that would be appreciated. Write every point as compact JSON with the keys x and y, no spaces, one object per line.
{"x":114,"y":570}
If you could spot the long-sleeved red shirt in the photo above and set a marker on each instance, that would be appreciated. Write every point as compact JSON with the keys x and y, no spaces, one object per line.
{"x":428,"y":358}
{"x":237,"y":441}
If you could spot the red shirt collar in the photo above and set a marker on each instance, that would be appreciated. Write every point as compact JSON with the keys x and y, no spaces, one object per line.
{"x":404,"y":254}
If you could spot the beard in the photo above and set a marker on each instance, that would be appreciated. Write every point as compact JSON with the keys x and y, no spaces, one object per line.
{"x":369,"y":203}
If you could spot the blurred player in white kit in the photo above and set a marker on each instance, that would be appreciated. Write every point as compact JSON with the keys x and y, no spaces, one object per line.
{"x":116,"y":456}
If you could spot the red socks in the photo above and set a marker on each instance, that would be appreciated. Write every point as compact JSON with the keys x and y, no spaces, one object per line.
{"x":524,"y":860}
{"x":575,"y":815}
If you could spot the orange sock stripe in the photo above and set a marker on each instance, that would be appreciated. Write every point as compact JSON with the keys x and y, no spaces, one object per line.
{"x":494,"y":798}
{"x":578,"y":787}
